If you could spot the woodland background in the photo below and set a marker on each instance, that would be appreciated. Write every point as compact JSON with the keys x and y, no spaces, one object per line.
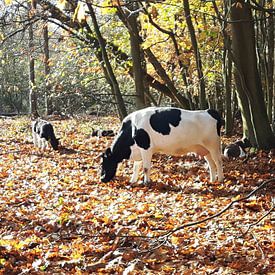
{"x":84,"y":65}
{"x":119,"y":56}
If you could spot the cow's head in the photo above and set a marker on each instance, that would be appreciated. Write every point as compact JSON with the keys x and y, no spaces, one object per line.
{"x":108,"y":166}
{"x":54,"y":143}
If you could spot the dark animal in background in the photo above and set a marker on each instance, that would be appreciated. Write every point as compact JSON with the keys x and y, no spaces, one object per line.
{"x":165,"y":130}
{"x":237,"y":149}
{"x":42,"y":133}
{"x":103,"y":133}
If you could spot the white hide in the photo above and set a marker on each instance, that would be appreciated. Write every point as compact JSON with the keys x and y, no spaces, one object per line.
{"x":37,"y":140}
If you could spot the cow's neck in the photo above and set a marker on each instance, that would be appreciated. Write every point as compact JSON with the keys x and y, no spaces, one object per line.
{"x":121,"y":148}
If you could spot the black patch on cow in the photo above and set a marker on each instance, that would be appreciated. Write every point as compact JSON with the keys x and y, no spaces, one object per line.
{"x":233,"y":150}
{"x":103,"y":133}
{"x":121,"y":148}
{"x":220,"y":121}
{"x":47,"y":132}
{"x":142,"y":139}
{"x":161,"y":120}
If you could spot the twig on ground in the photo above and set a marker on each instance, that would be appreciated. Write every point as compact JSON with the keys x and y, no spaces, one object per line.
{"x":170,"y":232}
{"x":163,"y":238}
{"x":259,"y":246}
{"x":255,"y":223}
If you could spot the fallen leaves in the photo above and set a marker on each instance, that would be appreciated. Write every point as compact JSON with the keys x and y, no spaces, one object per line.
{"x":57,"y":217}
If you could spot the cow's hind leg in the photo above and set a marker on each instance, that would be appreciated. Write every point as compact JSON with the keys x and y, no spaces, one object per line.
{"x":146,"y":161}
{"x":43,"y":143}
{"x":217,"y":158}
{"x":212,"y":167}
{"x":136,"y":168}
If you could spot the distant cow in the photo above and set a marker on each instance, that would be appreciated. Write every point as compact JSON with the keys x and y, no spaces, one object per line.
{"x":103,"y":133}
{"x":42,"y":132}
{"x":165,"y":130}
{"x":237,"y":149}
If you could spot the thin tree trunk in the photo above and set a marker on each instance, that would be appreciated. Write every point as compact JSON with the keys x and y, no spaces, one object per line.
{"x":270,"y":65}
{"x":48,"y":101}
{"x":115,"y":87}
{"x":181,"y":101}
{"x":32,"y":88}
{"x":202,"y":94}
{"x":136,"y":52}
{"x":227,"y":74}
{"x":172,"y":91}
{"x":182,"y":66}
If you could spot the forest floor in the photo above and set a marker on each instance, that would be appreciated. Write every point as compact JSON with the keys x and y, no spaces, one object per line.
{"x":56,"y":217}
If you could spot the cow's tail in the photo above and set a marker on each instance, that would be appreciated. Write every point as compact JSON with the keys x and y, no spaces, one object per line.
{"x":220,"y":120}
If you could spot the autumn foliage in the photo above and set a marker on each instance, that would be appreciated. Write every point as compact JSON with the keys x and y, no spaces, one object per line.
{"x":58,"y":218}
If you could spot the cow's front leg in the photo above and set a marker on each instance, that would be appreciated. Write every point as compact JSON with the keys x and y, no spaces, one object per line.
{"x":43,"y":143}
{"x":35,"y":139}
{"x":146,"y":161}
{"x":39,"y":142}
{"x":136,"y":168}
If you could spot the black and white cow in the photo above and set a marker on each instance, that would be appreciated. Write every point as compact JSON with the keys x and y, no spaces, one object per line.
{"x":237,"y":149}
{"x":102,"y":133}
{"x":42,"y":132}
{"x":165,"y":130}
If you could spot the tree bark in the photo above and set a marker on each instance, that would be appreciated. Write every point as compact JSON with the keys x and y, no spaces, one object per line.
{"x":133,"y":26}
{"x":48,"y":101}
{"x":182,"y":66}
{"x":202,"y":94}
{"x":115,"y":86}
{"x":248,"y":80}
{"x":227,"y":75}
{"x":32,"y":88}
{"x":270,"y":65}
{"x":177,"y":97}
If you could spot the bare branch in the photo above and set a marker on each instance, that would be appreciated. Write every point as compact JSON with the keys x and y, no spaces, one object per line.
{"x":259,"y":220}
{"x":264,"y":184}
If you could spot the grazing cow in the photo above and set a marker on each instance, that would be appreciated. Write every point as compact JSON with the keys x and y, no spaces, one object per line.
{"x":103,"y":133}
{"x":165,"y":130}
{"x":42,"y":131}
{"x":237,"y":149}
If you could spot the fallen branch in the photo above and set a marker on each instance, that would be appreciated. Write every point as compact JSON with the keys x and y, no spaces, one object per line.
{"x":260,"y":219}
{"x":163,"y":238}
{"x":170,"y":232}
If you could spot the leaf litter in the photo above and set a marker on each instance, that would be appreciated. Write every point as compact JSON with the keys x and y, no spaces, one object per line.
{"x":57,"y":217}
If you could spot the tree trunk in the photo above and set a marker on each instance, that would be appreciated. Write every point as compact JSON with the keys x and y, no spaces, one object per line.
{"x":202,"y":95}
{"x":248,"y":80}
{"x":48,"y":101}
{"x":136,"y":52}
{"x":270,"y":65}
{"x":182,"y":66}
{"x":177,"y":97}
{"x":227,"y":76}
{"x":115,"y":87}
{"x":32,"y":88}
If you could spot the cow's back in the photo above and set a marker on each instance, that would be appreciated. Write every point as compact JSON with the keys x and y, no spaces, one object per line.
{"x":176,"y":131}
